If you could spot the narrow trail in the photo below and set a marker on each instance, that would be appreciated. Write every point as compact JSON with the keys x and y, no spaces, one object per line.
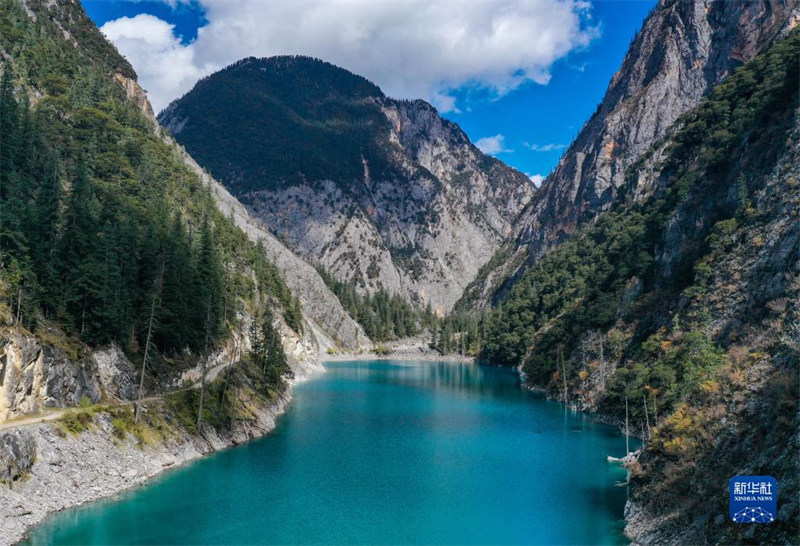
{"x":53,"y":415}
{"x":28,"y":420}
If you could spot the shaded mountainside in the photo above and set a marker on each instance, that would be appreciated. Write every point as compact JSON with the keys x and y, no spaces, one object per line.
{"x":684,"y":49}
{"x":680,"y":308}
{"x":380,"y":192}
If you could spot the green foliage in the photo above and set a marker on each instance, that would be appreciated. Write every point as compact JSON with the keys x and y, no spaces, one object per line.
{"x":457,"y":333}
{"x":266,"y":352}
{"x":665,"y":370}
{"x":575,"y":288}
{"x":323,"y":124}
{"x":715,"y":161}
{"x":75,"y":421}
{"x":49,"y":62}
{"x":98,"y":216}
{"x":383,"y":316}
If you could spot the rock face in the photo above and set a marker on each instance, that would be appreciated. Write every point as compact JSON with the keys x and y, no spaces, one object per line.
{"x":35,"y":376}
{"x":684,"y":49}
{"x":382,"y":193}
{"x":17,"y":455}
{"x":48,"y":470}
{"x":331,"y":325}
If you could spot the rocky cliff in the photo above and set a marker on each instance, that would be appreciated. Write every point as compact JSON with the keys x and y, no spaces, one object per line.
{"x":684,"y":49}
{"x":96,"y":451}
{"x":745,"y":421}
{"x":675,"y":312}
{"x":382,"y":193}
{"x":332,"y":326}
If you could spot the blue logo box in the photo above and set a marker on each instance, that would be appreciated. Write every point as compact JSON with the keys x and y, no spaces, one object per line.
{"x":754,"y":499}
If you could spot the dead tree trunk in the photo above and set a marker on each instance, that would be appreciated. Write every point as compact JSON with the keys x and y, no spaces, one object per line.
{"x":655,"y":410}
{"x":202,"y":395}
{"x":19,"y":304}
{"x":230,"y":370}
{"x":563,"y":371}
{"x":646,"y":417}
{"x":205,"y":366}
{"x":148,"y":342}
{"x":627,"y":436}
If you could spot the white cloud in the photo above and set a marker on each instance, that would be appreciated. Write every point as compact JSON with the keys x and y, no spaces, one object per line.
{"x":545,"y":147}
{"x":537,"y":179}
{"x":411,"y":49}
{"x":492,"y":145}
{"x":166,"y":68}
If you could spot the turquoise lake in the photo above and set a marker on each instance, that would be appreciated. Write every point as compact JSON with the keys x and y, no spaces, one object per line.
{"x":385,"y":452}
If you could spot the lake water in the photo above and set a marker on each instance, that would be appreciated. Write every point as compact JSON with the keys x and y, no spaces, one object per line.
{"x":385,"y":452}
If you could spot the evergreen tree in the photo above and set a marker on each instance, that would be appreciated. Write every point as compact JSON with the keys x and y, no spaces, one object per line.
{"x":47,"y":218}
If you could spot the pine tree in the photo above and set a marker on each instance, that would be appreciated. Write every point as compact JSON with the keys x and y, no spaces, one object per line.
{"x":9,"y":140}
{"x":47,"y":218}
{"x":81,"y":260}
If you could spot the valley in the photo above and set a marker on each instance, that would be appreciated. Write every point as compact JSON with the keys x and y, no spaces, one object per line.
{"x":287,"y":238}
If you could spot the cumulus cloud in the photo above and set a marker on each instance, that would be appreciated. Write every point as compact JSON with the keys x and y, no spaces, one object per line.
{"x":166,"y":68}
{"x":545,"y":147}
{"x":492,"y":145}
{"x":537,"y":179}
{"x":411,"y":49}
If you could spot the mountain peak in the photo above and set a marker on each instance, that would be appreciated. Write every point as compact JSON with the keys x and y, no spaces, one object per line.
{"x":369,"y":187}
{"x":320,"y":77}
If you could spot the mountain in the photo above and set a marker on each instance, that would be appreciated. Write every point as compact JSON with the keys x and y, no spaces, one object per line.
{"x":658,"y":285}
{"x":684,"y":49}
{"x":116,"y":257}
{"x":126,"y":272}
{"x":380,"y":192}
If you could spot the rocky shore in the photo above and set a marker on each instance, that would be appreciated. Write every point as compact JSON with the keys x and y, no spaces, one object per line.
{"x":44,"y":470}
{"x":411,"y":348}
{"x":47,"y":470}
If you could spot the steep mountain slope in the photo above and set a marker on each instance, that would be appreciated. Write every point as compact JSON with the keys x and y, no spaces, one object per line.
{"x":112,"y":250}
{"x":678,"y":310}
{"x":382,"y":193}
{"x":332,"y":325}
{"x":684,"y":49}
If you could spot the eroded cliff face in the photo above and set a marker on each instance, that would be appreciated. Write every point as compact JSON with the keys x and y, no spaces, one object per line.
{"x":35,"y":377}
{"x":684,"y":49}
{"x":330,"y":325}
{"x":746,"y":421}
{"x":137,"y":95}
{"x":388,"y":194}
{"x":425,"y":235}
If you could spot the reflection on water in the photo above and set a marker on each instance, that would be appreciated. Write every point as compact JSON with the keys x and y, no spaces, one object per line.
{"x":385,"y":452}
{"x":464,"y":377}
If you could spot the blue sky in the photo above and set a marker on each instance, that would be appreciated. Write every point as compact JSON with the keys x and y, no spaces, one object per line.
{"x":522,"y":88}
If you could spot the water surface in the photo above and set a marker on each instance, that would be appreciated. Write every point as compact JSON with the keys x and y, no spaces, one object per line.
{"x":384,"y":452}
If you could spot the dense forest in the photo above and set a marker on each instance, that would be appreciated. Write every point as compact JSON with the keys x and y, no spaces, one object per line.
{"x":608,"y":294}
{"x":387,"y":317}
{"x":103,"y":230}
{"x":323,"y":124}
{"x":383,"y":316}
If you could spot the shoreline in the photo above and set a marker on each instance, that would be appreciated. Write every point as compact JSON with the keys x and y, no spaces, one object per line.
{"x":427,"y":357}
{"x":71,"y":471}
{"x":414,"y":348}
